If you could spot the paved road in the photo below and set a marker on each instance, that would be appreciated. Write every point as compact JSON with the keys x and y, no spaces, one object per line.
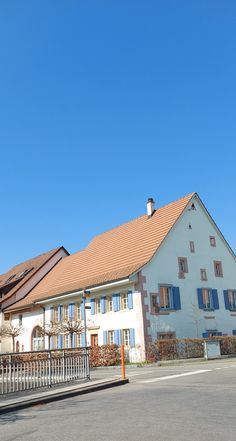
{"x":186,"y":402}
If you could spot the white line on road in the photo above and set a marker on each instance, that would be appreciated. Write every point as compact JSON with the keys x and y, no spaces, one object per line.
{"x":170,"y":377}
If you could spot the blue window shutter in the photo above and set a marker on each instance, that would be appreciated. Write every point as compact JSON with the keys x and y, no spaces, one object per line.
{"x":118,"y":301}
{"x":205,"y":334}
{"x":215,"y":299}
{"x":71,"y":311}
{"x":200,"y":298}
{"x":103,"y":305}
{"x":114,"y":300}
{"x":132,"y":337}
{"x":226,"y":297}
{"x":51,"y":342}
{"x":176,"y":297}
{"x":120,"y":336}
{"x":234,"y":331}
{"x":117,"y":337}
{"x":60,"y":313}
{"x":130,"y":300}
{"x":92,"y":304}
{"x":51,"y":313}
{"x":82,"y":310}
{"x":105,"y":337}
{"x":59,"y":341}
{"x":83,"y":339}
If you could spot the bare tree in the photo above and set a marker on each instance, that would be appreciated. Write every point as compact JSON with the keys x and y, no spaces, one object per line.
{"x":13,"y":331}
{"x":50,"y":329}
{"x":71,"y":327}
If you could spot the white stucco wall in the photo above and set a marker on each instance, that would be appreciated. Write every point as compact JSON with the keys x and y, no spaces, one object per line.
{"x":191,"y":321}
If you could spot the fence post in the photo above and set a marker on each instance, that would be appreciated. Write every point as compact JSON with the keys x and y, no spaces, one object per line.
{"x":50,"y":369}
{"x":122,"y":349}
{"x":63,"y":366}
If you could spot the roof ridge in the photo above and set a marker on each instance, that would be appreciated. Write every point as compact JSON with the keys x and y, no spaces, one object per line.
{"x":139,"y":217}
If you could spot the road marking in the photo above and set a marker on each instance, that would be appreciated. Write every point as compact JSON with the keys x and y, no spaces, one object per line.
{"x":218,"y":369}
{"x":170,"y":377}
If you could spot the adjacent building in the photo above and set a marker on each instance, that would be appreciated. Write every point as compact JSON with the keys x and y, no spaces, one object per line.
{"x":17,"y":283}
{"x":168,"y":273}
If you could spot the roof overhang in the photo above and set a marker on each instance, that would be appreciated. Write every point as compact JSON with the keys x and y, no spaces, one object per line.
{"x":81,"y":291}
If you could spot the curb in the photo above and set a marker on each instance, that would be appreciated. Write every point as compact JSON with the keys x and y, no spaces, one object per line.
{"x":61,"y":396}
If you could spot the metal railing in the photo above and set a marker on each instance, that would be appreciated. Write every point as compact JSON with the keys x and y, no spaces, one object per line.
{"x":30,"y":370}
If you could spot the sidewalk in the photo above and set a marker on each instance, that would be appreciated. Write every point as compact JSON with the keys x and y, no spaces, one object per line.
{"x":22,"y":400}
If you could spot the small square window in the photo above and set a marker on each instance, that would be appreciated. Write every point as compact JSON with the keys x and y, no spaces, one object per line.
{"x":212,"y":241}
{"x":203,"y":274}
{"x":192,"y":247}
{"x":183,"y":266}
{"x":218,"y":269}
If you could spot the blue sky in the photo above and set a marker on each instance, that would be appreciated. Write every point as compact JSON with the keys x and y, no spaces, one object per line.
{"x":106,"y":103}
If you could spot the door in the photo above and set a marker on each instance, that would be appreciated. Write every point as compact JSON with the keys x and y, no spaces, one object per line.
{"x":94,"y":340}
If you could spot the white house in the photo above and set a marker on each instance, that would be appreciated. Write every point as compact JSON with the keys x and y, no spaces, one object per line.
{"x":169,"y":273}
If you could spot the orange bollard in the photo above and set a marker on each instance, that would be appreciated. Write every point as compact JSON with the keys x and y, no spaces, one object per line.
{"x":122,"y":350}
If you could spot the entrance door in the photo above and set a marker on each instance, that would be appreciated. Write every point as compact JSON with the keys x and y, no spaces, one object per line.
{"x":94,"y":340}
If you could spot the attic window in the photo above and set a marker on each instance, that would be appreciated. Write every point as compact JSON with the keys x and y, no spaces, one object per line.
{"x":24,"y":273}
{"x":10,"y":278}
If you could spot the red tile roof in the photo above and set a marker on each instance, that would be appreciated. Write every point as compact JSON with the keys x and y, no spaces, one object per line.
{"x":110,"y":256}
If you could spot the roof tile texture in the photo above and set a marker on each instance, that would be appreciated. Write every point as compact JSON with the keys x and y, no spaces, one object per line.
{"x":110,"y":256}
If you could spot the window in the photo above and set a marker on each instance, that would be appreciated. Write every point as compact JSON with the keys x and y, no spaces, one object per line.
{"x":126,"y":337}
{"x":78,"y":311}
{"x":37,"y":339}
{"x":109,"y":304}
{"x":211,"y":333}
{"x":20,"y":320}
{"x":78,"y":340}
{"x":65,"y":313}
{"x":208,"y":299}
{"x":166,"y":335}
{"x":66,"y":341}
{"x":169,"y":297}
{"x":192,"y":247}
{"x":154,"y":304}
{"x":230,"y":299}
{"x":203,"y":274}
{"x":218,"y":269}
{"x":124,"y":301}
{"x":165,"y":297}
{"x":10,"y":278}
{"x":111,"y":337}
{"x":55,"y":317}
{"x":97,"y":306}
{"x":183,"y":266}
{"x":212,"y":241}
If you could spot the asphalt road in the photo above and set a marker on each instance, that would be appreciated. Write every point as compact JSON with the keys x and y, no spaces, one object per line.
{"x":186,"y":402}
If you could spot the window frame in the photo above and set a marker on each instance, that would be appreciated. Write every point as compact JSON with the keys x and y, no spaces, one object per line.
{"x":218,"y":264}
{"x":203,"y":271}
{"x":183,"y":269}
{"x":109,"y":304}
{"x":170,"y":296}
{"x":110,"y":337}
{"x":212,"y":241}
{"x":97,"y":305}
{"x":124,"y":301}
{"x":126,"y":337}
{"x":192,"y":246}
{"x":233,"y":292}
{"x":211,"y":301}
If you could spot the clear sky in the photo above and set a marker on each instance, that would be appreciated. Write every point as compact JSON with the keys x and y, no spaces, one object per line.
{"x":105,"y":103}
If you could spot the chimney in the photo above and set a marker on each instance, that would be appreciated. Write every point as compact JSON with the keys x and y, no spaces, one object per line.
{"x":150,"y":207}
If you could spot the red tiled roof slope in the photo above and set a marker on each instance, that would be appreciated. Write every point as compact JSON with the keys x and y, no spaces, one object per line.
{"x":112,"y":255}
